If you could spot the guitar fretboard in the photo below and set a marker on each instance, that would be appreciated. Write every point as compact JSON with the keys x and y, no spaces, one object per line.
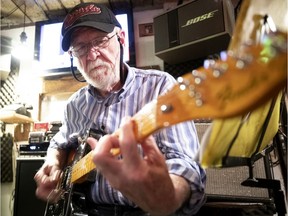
{"x":144,"y":125}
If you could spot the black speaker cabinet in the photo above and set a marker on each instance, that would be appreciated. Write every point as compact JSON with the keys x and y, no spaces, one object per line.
{"x":224,"y":184}
{"x":26,"y":203}
{"x":193,"y":30}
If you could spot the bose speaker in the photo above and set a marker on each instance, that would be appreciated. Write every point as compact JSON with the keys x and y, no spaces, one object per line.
{"x":193,"y":30}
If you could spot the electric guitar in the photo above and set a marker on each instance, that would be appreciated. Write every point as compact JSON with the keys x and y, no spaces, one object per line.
{"x":233,"y":85}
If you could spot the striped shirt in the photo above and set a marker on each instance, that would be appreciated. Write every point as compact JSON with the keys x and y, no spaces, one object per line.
{"x":179,"y":143}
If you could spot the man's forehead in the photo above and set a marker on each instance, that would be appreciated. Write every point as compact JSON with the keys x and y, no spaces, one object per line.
{"x":81,"y":32}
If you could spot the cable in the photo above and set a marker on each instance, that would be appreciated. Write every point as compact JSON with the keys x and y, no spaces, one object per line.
{"x":73,"y":71}
{"x":122,"y":71}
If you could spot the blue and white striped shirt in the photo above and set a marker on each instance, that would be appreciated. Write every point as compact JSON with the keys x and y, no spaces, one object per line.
{"x":179,"y":143}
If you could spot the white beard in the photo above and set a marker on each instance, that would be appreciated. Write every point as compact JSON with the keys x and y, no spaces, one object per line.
{"x":101,"y":75}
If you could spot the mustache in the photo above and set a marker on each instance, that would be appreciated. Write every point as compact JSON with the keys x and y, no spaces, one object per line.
{"x":94,"y":64}
{"x":91,"y":66}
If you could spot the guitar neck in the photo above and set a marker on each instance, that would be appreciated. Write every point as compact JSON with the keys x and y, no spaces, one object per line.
{"x":144,"y":125}
{"x":82,"y":167}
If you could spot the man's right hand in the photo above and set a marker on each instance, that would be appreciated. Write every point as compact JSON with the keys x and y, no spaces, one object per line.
{"x":48,"y":176}
{"x":47,"y":179}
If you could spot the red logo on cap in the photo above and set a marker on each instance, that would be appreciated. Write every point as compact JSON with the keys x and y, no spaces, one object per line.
{"x":83,"y":11}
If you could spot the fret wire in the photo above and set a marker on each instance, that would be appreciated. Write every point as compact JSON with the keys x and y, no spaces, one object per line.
{"x":145,"y":120}
{"x":146,"y":123}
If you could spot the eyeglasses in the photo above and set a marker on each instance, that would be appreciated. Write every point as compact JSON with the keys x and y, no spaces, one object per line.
{"x":97,"y":43}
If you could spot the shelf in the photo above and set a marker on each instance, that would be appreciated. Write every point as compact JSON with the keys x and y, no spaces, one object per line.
{"x":13,"y":118}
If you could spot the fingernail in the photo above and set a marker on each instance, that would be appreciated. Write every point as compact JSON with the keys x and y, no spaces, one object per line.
{"x":56,"y":174}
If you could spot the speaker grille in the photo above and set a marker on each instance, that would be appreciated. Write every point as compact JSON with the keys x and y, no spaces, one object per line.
{"x":225,"y":183}
{"x":26,"y":203}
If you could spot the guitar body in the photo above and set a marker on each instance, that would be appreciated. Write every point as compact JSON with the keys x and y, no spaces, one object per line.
{"x":70,"y":197}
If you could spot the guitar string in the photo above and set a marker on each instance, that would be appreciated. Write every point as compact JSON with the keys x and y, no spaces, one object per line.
{"x":79,"y":170}
{"x":145,"y":120}
{"x":47,"y":203}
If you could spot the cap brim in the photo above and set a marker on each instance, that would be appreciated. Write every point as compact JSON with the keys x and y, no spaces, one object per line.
{"x":106,"y":27}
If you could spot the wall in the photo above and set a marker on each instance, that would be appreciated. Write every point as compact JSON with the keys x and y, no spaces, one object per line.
{"x":27,"y":90}
{"x":144,"y":46}
{"x":29,"y":81}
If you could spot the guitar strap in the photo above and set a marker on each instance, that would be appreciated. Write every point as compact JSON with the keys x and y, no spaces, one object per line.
{"x":240,"y":136}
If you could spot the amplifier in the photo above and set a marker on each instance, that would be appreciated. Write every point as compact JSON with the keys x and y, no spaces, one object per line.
{"x":39,"y":149}
{"x":25,"y":201}
{"x":36,"y":137}
{"x":224,"y":188}
{"x":193,"y":30}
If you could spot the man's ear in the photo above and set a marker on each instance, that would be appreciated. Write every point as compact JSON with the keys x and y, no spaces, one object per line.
{"x":121,"y":37}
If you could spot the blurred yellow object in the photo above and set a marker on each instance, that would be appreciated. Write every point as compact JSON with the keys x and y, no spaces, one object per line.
{"x":241,"y":133}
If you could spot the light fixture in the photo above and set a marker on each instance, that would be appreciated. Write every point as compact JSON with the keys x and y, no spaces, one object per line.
{"x":23,"y":35}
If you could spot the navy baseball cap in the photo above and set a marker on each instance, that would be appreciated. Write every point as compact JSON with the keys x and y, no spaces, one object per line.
{"x":87,"y":14}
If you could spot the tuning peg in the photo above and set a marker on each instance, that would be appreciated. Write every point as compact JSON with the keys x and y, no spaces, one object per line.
{"x":198,"y":99}
{"x":183,"y":83}
{"x":217,"y":67}
{"x":166,"y":108}
{"x":241,"y":59}
{"x":197,"y":95}
{"x":199,"y":77}
{"x":223,"y":56}
{"x":208,"y":63}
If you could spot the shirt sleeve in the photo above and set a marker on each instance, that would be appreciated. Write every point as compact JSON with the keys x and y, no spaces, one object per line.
{"x":60,"y":139}
{"x":74,"y":123}
{"x":179,"y":144}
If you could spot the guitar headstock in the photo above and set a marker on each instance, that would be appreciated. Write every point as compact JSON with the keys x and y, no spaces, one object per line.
{"x":231,"y":86}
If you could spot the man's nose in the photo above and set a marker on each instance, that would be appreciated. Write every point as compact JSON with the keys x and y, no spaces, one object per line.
{"x":92,"y":52}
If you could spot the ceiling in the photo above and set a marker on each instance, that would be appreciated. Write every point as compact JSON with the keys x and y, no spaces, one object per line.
{"x":14,"y":13}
